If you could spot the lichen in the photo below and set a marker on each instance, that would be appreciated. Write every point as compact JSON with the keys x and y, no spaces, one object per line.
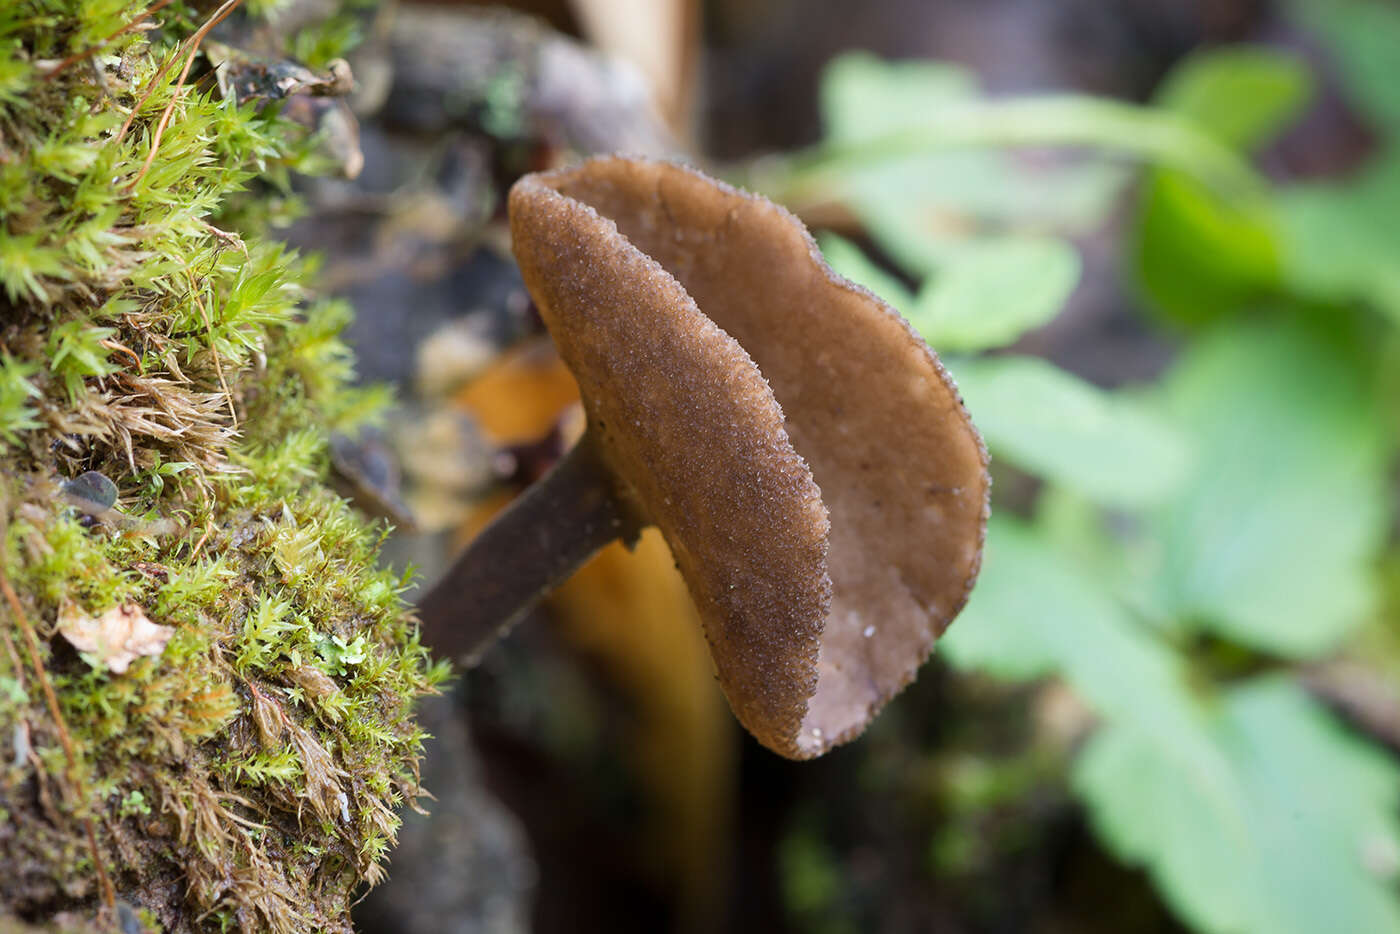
{"x":247,"y":777}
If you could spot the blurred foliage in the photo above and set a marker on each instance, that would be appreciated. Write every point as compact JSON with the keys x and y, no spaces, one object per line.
{"x":1177,"y":552}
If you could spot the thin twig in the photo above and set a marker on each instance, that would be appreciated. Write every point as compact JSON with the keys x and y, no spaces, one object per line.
{"x":227,"y":236}
{"x":122,"y":348}
{"x":145,"y":96}
{"x":89,"y":52}
{"x":104,"y":881}
{"x":109,"y":894}
{"x":14,"y":657}
{"x":208,"y":527}
{"x":40,"y":675}
{"x":191,"y":46}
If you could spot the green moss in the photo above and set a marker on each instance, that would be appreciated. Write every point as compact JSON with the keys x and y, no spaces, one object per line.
{"x":248,"y":775}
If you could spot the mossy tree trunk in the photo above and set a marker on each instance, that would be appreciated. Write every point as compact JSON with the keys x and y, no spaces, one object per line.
{"x":244,"y":770}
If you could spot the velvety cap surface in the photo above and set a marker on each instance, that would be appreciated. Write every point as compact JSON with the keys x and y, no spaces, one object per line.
{"x":691,"y":429}
{"x":901,"y":471}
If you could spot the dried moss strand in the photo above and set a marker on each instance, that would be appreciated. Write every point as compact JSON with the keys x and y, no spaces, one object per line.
{"x":536,"y":544}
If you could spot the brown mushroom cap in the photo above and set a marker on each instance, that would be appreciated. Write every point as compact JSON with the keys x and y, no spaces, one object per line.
{"x":621,"y":256}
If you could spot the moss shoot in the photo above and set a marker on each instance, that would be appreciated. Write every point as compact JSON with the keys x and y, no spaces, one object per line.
{"x":247,"y":775}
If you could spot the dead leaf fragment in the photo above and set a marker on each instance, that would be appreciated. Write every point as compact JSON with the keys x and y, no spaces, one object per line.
{"x":314,"y":682}
{"x":116,"y":638}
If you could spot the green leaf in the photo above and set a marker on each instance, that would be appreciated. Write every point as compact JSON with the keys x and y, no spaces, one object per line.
{"x":1103,"y":545}
{"x":919,"y":206}
{"x":988,"y":293}
{"x":1199,"y":257}
{"x":1023,"y":601}
{"x":920,"y":136}
{"x":985,"y":292}
{"x":951,"y":192}
{"x":1108,"y":447}
{"x":1341,"y":239}
{"x":850,"y":261}
{"x":1036,"y":612}
{"x":1243,"y":95}
{"x":876,"y":112}
{"x":864,"y":97}
{"x":1310,"y":840}
{"x":1364,"y":36}
{"x":1271,"y":539}
{"x":923,"y":159}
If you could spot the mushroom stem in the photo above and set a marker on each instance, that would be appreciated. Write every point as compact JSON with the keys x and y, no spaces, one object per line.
{"x":545,"y":535}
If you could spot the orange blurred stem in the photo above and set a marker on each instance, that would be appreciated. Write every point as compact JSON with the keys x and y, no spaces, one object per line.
{"x":535,"y":545}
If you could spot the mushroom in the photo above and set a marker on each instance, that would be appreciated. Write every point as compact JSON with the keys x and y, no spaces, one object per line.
{"x":828,"y":542}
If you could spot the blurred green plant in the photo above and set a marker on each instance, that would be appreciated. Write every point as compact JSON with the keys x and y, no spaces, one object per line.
{"x":1238,"y":507}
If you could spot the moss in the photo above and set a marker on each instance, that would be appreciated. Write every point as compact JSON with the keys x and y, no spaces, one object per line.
{"x":150,"y":329}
